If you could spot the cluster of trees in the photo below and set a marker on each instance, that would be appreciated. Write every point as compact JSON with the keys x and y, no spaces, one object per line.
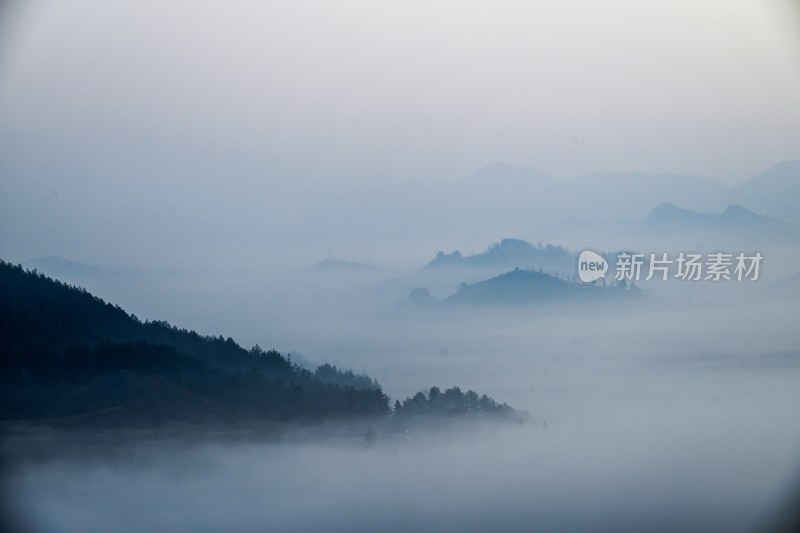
{"x":327,"y":373}
{"x":451,"y":402}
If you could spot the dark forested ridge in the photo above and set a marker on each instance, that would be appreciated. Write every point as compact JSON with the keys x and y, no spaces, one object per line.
{"x":69,"y":356}
{"x":37,"y":310}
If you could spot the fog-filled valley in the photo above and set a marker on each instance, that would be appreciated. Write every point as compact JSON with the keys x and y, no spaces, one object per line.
{"x":671,"y":407}
{"x":418,"y":266}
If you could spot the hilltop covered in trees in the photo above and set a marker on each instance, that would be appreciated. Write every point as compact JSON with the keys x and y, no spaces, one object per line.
{"x":68,"y":357}
{"x":529,"y":287}
{"x":509,"y":254}
{"x":452,"y":402}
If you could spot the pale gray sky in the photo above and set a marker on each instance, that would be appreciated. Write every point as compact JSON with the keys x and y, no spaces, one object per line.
{"x":366,"y":90}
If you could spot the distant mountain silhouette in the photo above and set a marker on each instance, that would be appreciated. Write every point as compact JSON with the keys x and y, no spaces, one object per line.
{"x":775,"y":191}
{"x":630,"y":195}
{"x":734,"y":218}
{"x":446,"y":271}
{"x":502,"y":199}
{"x":509,"y":254}
{"x":525,"y":287}
{"x":597,"y":194}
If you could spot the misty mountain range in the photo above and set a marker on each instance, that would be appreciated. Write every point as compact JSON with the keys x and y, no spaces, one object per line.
{"x":648,"y":213}
{"x":401,"y":223}
{"x":507,"y":199}
{"x":595,"y":196}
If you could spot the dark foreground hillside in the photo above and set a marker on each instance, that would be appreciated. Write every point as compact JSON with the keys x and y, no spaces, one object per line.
{"x":69,"y":358}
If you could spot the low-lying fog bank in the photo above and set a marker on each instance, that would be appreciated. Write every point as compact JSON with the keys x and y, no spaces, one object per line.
{"x":669,"y":413}
{"x":681,"y":444}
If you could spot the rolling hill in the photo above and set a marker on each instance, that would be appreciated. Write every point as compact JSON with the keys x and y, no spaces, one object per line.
{"x":528,"y":287}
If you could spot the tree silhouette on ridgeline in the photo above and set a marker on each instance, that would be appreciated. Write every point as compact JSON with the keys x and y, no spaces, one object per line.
{"x":453,"y":402}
